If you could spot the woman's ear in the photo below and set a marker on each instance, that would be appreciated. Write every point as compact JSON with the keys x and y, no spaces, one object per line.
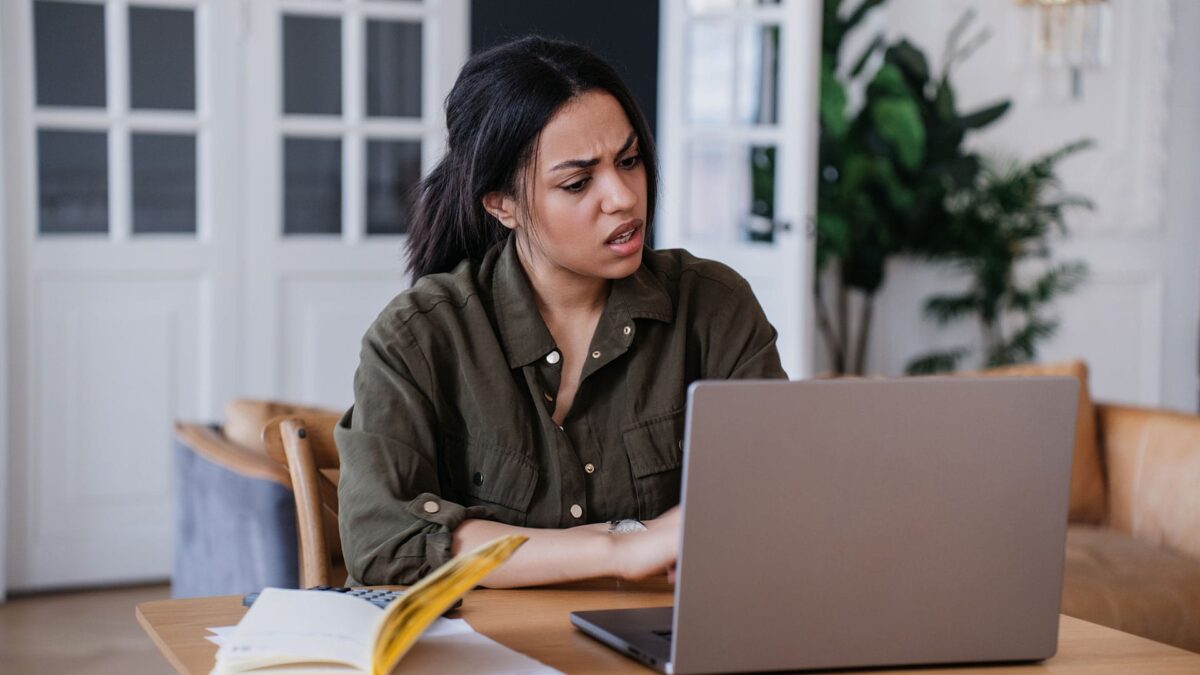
{"x":502,"y":207}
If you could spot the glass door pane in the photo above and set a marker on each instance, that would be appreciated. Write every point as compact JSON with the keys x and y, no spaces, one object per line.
{"x":72,"y":182}
{"x":162,"y":59}
{"x":164,"y":183}
{"x":69,"y":51}
{"x":393,"y":69}
{"x":393,"y":171}
{"x":312,"y":185}
{"x":312,"y":65}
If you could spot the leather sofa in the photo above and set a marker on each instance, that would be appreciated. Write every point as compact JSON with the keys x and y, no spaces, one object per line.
{"x":1133,"y":544}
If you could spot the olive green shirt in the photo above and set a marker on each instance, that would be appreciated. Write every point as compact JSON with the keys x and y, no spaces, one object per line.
{"x":456,"y":387}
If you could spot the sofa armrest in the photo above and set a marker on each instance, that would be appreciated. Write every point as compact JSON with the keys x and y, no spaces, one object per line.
{"x":214,"y":446}
{"x":1153,"y":462}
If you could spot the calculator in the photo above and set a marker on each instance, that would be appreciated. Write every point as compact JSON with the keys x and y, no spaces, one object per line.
{"x":378,"y":597}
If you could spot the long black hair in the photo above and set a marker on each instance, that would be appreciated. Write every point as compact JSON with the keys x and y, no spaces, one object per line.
{"x":502,"y":99}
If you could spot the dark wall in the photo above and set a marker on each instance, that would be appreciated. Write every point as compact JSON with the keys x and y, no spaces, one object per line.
{"x":624,"y":32}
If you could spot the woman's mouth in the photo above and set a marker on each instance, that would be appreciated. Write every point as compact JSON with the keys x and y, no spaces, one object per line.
{"x":628,"y":242}
{"x":623,"y":238}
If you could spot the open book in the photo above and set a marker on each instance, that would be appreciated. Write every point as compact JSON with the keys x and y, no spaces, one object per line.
{"x":318,"y":632}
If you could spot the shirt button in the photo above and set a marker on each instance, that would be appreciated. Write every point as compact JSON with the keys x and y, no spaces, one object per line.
{"x":431,"y":507}
{"x":553,"y":357}
{"x":596,"y":355}
{"x":627,"y":330}
{"x":589,"y":467}
{"x":576,"y":511}
{"x":549,"y":398}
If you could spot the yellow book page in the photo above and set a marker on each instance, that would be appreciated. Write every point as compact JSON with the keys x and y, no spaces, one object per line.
{"x":405,"y":619}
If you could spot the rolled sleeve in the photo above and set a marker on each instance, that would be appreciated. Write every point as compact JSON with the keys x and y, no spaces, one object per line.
{"x":396,"y":525}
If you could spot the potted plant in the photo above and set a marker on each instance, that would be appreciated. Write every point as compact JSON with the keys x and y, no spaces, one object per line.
{"x":998,"y":227}
{"x":887,"y":167}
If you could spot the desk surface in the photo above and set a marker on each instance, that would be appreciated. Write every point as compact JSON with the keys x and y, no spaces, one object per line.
{"x":535,"y":622}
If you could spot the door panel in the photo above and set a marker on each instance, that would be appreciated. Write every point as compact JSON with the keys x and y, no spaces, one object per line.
{"x":124,"y":273}
{"x":333,"y":178}
{"x":116,"y":360}
{"x":738,"y":140}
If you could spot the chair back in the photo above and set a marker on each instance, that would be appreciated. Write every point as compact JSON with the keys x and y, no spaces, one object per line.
{"x":304,"y":444}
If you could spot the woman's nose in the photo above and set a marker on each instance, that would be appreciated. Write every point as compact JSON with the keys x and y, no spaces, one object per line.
{"x":619,"y":196}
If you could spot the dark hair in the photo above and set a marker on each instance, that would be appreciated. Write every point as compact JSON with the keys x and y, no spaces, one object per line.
{"x":502,"y":99}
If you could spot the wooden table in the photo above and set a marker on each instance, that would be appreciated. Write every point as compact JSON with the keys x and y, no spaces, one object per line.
{"x":535,"y":622}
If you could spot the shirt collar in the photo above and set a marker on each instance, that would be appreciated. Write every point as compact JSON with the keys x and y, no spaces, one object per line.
{"x":523,"y":333}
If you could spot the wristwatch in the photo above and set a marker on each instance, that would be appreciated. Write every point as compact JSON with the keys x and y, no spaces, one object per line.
{"x":625,"y":526}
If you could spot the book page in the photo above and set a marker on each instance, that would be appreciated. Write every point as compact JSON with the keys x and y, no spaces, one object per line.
{"x":293,"y":626}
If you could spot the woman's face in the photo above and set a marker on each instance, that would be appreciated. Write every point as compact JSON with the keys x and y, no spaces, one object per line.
{"x":586,"y":191}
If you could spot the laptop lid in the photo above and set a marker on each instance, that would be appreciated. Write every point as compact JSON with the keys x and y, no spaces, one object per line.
{"x":858,"y":523}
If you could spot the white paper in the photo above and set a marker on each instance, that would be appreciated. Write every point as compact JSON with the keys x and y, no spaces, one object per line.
{"x":447,"y":646}
{"x":281,"y":623}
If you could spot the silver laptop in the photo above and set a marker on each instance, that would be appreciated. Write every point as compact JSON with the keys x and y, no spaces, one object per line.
{"x":846,"y":524}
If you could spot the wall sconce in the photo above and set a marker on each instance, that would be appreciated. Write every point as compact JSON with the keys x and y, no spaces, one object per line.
{"x":1070,"y":35}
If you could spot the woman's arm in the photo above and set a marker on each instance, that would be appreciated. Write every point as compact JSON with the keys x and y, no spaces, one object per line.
{"x":555,"y":556}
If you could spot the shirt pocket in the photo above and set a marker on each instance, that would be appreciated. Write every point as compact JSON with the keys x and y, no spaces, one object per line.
{"x":487,"y":473}
{"x":655,"y":453}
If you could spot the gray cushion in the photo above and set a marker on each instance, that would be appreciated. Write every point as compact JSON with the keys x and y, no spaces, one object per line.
{"x":233,"y":534}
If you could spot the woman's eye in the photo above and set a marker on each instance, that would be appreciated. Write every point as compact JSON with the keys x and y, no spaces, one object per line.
{"x":630,"y":162}
{"x":577,"y":186}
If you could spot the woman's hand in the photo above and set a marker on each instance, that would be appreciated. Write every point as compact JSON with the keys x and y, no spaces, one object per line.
{"x":637,"y":555}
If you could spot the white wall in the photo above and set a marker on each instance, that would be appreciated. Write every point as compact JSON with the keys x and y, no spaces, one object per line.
{"x":1136,"y":320}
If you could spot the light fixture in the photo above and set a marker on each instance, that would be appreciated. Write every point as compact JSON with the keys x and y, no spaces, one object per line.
{"x":1070,"y":36}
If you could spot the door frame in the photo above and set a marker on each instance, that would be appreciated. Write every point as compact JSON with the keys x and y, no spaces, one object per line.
{"x":792,"y":253}
{"x":5,"y":229}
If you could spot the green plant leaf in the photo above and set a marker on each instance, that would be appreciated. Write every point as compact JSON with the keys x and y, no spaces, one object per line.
{"x":947,"y":308}
{"x":888,"y":82}
{"x":936,"y":362}
{"x":898,"y":120}
{"x":861,"y":62}
{"x":833,"y":105}
{"x":880,"y":172}
{"x":860,"y":12}
{"x":1060,"y":279}
{"x":1022,"y":346}
{"x":943,"y":101}
{"x":833,"y":234}
{"x":982,"y":118}
{"x":910,"y":60}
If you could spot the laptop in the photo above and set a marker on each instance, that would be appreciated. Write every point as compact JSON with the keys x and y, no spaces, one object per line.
{"x":863,"y":523}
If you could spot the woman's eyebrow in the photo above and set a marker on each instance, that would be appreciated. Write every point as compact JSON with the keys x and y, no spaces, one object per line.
{"x":585,"y":163}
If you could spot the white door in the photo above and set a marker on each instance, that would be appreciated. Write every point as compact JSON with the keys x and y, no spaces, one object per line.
{"x":154,"y":271}
{"x":344,"y":106}
{"x":119,"y":161}
{"x":737,"y":135}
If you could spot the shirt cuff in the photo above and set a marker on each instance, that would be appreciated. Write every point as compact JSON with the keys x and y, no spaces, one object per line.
{"x":447,"y":516}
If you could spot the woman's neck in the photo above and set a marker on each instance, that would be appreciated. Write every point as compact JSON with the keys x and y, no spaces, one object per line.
{"x":561,"y":294}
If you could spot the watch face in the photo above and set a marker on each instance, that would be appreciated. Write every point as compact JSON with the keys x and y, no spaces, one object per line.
{"x":626,"y":526}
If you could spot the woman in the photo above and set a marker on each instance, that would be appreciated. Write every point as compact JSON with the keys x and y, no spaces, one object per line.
{"x":533,"y":378}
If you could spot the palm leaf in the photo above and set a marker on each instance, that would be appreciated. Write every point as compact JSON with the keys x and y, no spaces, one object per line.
{"x":936,"y":362}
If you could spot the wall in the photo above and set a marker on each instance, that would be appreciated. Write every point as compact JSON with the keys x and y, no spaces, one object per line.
{"x":1135,"y":322}
{"x":624,"y":32}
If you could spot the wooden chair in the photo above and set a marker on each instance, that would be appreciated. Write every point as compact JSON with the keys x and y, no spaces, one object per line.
{"x":304,"y":444}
